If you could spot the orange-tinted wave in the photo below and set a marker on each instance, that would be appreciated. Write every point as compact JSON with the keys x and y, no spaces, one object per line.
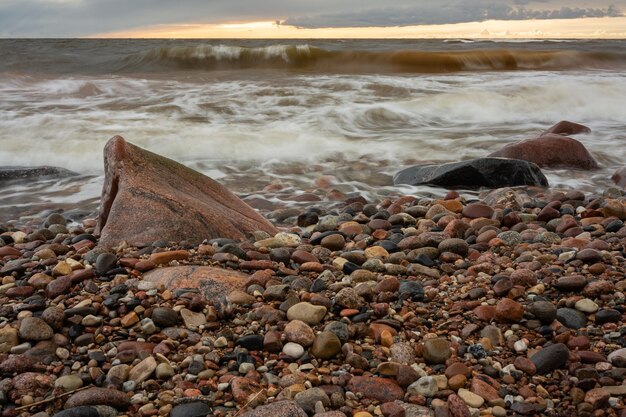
{"x":310,"y":58}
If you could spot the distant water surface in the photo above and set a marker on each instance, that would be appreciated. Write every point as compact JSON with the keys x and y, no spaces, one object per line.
{"x":269,"y":115}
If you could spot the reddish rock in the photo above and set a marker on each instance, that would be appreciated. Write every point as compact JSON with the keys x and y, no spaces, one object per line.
{"x":567,"y":128}
{"x":209,"y":280}
{"x":619,"y":178}
{"x":485,"y":313}
{"x":244,"y":388}
{"x":9,"y":251}
{"x":476,"y":210}
{"x":483,"y":389}
{"x":162,"y":258}
{"x":525,"y":365}
{"x":99,"y":396}
{"x":457,"y":407}
{"x":597,"y":397}
{"x":147,"y":197}
{"x":59,"y":286}
{"x":374,"y":388}
{"x":458,"y":368}
{"x":508,"y":310}
{"x":550,"y":151}
{"x":392,"y":410}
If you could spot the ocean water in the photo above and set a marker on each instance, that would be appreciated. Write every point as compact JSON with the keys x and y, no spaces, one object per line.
{"x":274,"y":120}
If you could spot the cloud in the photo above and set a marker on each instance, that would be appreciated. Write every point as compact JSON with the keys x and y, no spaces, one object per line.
{"x":445,"y":13}
{"x":70,"y":18}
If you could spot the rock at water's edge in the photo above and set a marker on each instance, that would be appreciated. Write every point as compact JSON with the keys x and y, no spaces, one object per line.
{"x":147,"y":197}
{"x":475,"y":173}
{"x":619,"y":177}
{"x":565,"y":127}
{"x":550,"y":151}
{"x":16,"y":173}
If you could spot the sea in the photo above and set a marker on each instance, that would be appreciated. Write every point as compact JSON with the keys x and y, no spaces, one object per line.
{"x":297,"y":122}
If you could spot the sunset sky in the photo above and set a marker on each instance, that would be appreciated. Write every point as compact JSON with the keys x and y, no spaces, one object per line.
{"x":312,"y":19}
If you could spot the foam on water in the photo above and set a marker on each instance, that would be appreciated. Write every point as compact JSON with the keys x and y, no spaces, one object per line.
{"x":314,"y":119}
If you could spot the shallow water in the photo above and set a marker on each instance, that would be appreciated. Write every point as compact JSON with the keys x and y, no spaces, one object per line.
{"x":280,"y":116}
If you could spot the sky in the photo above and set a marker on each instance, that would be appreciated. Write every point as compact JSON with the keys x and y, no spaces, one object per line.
{"x":312,"y":18}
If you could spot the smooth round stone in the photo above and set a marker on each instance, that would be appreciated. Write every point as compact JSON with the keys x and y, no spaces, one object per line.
{"x":608,"y":315}
{"x":586,"y":306}
{"x":510,"y":238}
{"x":34,"y":328}
{"x":105,"y":262}
{"x":589,"y":256}
{"x":436,"y":350}
{"x":68,"y":382}
{"x":333,"y":242}
{"x":164,"y":371}
{"x":471,"y":399}
{"x":326,"y":345}
{"x":54,"y":218}
{"x":306,"y":312}
{"x":550,"y":358}
{"x":476,"y":210}
{"x":571,"y":283}
{"x":299,"y":332}
{"x":307,"y":399}
{"x":545,"y":311}
{"x":340,"y":330}
{"x":571,"y":318}
{"x":458,"y":246}
{"x":426,"y":386}
{"x":618,"y":358}
{"x":293,"y":350}
{"x":193,"y":409}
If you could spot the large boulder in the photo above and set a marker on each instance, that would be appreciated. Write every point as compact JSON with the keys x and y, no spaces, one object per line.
{"x":475,"y":173}
{"x":619,"y":177}
{"x":567,"y":128}
{"x":147,"y":197}
{"x":550,"y":151}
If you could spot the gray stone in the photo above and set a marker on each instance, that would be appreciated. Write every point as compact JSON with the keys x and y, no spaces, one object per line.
{"x":550,"y":358}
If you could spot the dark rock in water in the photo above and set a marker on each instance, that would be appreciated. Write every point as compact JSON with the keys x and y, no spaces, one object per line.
{"x":88,"y":411}
{"x":193,"y":409}
{"x":147,"y":197}
{"x":550,"y":151}
{"x":571,"y":318}
{"x":550,"y":358}
{"x":619,"y":177}
{"x":12,"y":173}
{"x":212,"y":282}
{"x":567,"y":128}
{"x":475,"y":173}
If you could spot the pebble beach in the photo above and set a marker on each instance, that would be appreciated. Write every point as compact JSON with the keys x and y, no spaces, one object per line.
{"x":507,"y":305}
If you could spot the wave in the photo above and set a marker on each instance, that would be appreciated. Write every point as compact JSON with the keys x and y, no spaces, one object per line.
{"x":310,"y":58}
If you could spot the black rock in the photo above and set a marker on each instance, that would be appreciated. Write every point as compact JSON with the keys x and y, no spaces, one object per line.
{"x":84,"y":236}
{"x":164,"y":317}
{"x":105,"y":262}
{"x":411,"y":290}
{"x":475,"y":173}
{"x":251,"y":342}
{"x":571,"y":318}
{"x":318,"y":239}
{"x":88,"y":411}
{"x":233,"y":249}
{"x":614,"y":226}
{"x":550,"y":358}
{"x":194,"y":409}
{"x":608,"y":315}
{"x":422,"y":259}
{"x":545,"y":311}
{"x":15,"y":173}
{"x":318,"y":285}
{"x":350,"y":267}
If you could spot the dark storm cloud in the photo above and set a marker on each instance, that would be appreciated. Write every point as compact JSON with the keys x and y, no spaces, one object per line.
{"x":69,"y":18}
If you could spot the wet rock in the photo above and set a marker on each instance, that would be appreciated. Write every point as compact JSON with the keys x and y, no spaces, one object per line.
{"x":192,"y":409}
{"x":147,"y":197}
{"x":380,"y":389}
{"x":550,"y":151}
{"x":550,"y":358}
{"x":98,"y":396}
{"x":34,"y":328}
{"x":484,"y":172}
{"x":565,"y":127}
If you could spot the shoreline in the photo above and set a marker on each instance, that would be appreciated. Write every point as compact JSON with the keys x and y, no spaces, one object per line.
{"x":373,"y":308}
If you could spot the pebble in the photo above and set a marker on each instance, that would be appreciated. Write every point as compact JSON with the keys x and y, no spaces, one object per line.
{"x":34,"y":329}
{"x":306,"y":312}
{"x":436,"y":350}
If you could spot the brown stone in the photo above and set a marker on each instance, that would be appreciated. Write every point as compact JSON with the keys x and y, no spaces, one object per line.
{"x":550,"y":151}
{"x":147,"y":197}
{"x":619,"y":177}
{"x":210,"y":281}
{"x":508,"y":310}
{"x":457,"y":407}
{"x":477,"y":210}
{"x":483,"y":389}
{"x":162,"y":258}
{"x":380,"y":389}
{"x":99,"y":396}
{"x":565,"y":127}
